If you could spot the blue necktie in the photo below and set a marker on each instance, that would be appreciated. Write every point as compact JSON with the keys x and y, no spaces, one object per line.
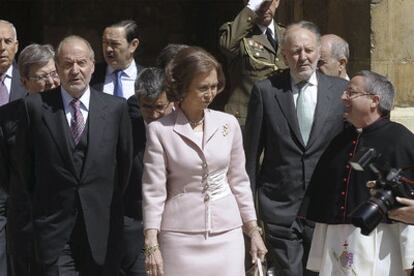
{"x":118,"y":83}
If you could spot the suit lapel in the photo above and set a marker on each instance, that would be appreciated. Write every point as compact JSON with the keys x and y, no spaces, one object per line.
{"x":322,"y":109}
{"x":284,"y":97}
{"x":211,"y":124}
{"x":279,"y":34}
{"x":96,"y":125}
{"x":17,"y":90}
{"x":183,"y":128}
{"x":55,"y":120}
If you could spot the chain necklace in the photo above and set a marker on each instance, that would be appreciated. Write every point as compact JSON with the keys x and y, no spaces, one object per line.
{"x":195,"y":124}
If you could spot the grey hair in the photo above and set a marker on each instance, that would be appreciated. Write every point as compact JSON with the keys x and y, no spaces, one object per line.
{"x":74,"y":37}
{"x":12,"y":27}
{"x":307,"y":25}
{"x":150,"y":83}
{"x":34,"y":54}
{"x":382,"y":87}
{"x":339,"y":48}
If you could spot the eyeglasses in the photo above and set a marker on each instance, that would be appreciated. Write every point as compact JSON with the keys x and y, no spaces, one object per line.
{"x":45,"y":77}
{"x":352,"y":94}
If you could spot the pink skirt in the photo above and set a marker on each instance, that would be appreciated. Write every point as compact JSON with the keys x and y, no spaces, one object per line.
{"x":189,"y":254}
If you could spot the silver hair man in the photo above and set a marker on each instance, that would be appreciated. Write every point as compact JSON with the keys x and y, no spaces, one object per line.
{"x":334,"y":56}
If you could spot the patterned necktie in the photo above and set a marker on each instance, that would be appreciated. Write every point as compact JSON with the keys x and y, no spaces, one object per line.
{"x":271,"y":39}
{"x":77,"y":124}
{"x":118,"y":83}
{"x":304,"y":111}
{"x":4,"y":95}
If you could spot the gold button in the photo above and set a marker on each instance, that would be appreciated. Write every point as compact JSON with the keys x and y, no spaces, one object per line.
{"x":249,"y":19}
{"x":257,"y":54}
{"x":237,"y":114}
{"x":277,"y":59}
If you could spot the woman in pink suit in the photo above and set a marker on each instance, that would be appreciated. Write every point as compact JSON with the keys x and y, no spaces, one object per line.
{"x":196,"y":192}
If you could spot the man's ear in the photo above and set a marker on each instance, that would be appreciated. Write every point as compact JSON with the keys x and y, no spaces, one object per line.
{"x":342,"y":63}
{"x":133,"y":45}
{"x":375,"y":101}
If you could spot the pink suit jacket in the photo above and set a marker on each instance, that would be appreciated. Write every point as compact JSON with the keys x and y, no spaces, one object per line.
{"x":176,"y":165}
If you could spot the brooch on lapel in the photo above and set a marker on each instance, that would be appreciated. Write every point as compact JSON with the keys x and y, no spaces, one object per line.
{"x":226,"y":129}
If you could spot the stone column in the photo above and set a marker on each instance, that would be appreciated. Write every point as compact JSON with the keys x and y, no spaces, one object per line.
{"x":392,"y":52}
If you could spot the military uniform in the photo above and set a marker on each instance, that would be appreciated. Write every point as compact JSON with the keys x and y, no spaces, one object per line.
{"x":250,"y":57}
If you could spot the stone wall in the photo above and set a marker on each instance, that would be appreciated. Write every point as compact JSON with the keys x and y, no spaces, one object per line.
{"x":392,"y":45}
{"x":380,"y":32}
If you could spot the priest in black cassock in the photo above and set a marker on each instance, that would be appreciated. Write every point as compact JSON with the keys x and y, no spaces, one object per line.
{"x":336,"y":189}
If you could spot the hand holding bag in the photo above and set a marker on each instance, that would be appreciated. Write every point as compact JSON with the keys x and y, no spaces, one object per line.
{"x":258,"y":269}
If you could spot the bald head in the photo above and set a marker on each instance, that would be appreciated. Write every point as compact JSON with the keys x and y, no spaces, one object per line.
{"x":334,"y":56}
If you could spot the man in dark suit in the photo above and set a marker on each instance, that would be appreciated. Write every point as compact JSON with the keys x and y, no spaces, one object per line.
{"x":9,"y":74}
{"x":38,"y":73}
{"x":148,"y":104}
{"x":291,"y":118}
{"x":118,"y":74}
{"x":10,"y":89}
{"x":77,"y":149}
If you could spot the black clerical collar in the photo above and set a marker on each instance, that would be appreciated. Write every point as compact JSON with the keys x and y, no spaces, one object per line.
{"x":377,"y":124}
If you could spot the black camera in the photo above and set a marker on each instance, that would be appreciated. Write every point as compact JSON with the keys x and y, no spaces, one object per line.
{"x":384,"y":190}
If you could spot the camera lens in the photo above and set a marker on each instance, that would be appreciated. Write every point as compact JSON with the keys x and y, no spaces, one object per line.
{"x":370,"y":213}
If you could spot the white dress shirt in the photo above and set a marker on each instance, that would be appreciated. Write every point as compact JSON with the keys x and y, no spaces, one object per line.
{"x":271,"y":27}
{"x":84,"y":106}
{"x":128,"y":78}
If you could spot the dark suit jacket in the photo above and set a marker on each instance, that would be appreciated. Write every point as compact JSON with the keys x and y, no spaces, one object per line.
{"x":133,"y":228}
{"x":19,"y":226}
{"x":98,"y":77}
{"x":17,"y":89}
{"x":48,"y":172}
{"x":8,"y":118}
{"x":288,"y":164}
{"x":8,"y":126}
{"x":133,"y":196}
{"x":9,"y":115}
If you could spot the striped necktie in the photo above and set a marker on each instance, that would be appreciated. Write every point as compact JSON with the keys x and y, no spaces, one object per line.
{"x":77,"y":124}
